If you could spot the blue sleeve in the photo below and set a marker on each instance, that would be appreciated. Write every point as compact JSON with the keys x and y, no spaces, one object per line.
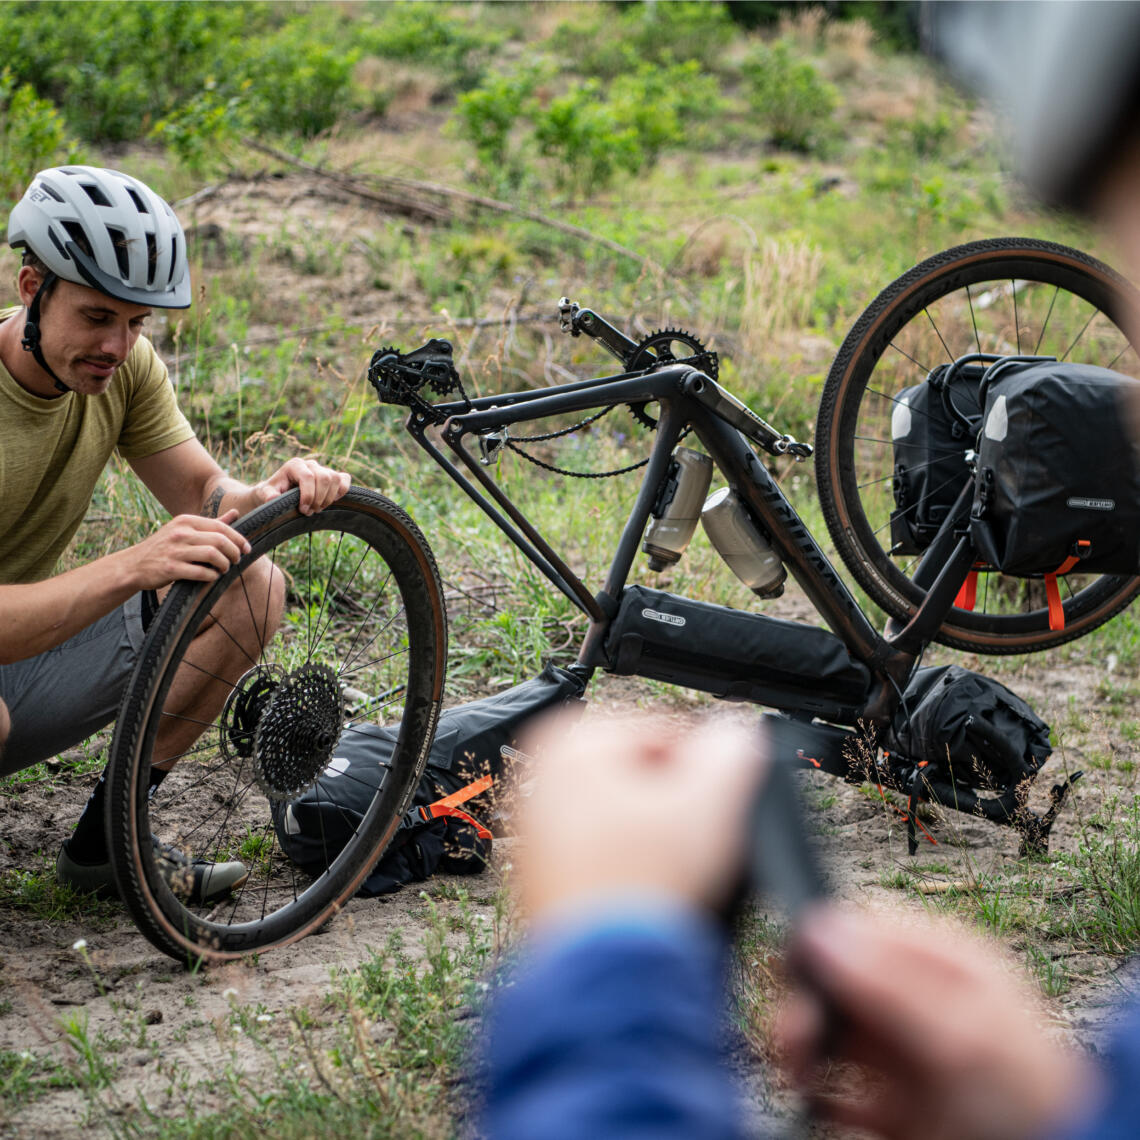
{"x":1118,"y":1117}
{"x":614,"y":1031}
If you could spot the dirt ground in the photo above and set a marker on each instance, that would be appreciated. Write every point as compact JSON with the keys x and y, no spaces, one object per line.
{"x":120,"y":979}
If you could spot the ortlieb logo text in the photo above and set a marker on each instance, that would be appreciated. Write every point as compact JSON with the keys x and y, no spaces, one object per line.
{"x":1079,"y":504}
{"x":657,"y":615}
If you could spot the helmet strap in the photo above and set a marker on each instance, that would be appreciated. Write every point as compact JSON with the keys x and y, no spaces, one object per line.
{"x":31,"y":338}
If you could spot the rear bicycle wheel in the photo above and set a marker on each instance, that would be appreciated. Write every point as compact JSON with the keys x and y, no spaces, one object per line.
{"x":1006,"y":296}
{"x":333,"y":619}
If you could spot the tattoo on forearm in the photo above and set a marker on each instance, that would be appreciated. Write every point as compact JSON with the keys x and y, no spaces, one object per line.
{"x":213,"y":504}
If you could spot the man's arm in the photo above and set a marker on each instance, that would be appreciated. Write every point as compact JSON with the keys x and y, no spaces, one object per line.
{"x":612,"y":1025}
{"x":37,"y":616}
{"x":187,"y":480}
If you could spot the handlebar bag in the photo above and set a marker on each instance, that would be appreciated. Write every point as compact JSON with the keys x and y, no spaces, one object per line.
{"x":448,"y":826}
{"x":929,"y":445}
{"x":968,"y":727}
{"x":1057,"y":485}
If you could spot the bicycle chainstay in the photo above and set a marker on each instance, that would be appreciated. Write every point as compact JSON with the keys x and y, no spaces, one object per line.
{"x":398,"y":377}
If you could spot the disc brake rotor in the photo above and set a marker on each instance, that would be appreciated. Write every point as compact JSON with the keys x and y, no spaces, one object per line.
{"x":298,"y":731}
{"x":248,"y":699}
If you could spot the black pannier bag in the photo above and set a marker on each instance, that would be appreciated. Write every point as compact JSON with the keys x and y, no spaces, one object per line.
{"x":929,"y":449}
{"x":968,"y":729}
{"x":1057,"y":484}
{"x":736,"y":655}
{"x":465,"y":767}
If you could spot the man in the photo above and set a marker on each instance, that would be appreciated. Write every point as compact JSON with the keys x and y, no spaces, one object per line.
{"x":78,"y":380}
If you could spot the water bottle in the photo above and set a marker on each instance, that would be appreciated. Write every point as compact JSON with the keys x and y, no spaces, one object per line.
{"x":741,"y":543}
{"x":677,"y":508}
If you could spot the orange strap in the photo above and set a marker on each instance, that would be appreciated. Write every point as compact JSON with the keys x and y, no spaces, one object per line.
{"x":968,"y":594}
{"x":441,"y":808}
{"x":449,"y":805}
{"x":1053,"y":591}
{"x":906,"y":815}
{"x":467,"y":793}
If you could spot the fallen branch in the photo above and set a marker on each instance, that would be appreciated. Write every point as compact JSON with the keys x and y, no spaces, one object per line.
{"x":412,"y":187}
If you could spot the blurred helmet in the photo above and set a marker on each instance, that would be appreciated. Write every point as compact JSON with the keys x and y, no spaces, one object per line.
{"x":106,"y":230}
{"x":1066,"y":74}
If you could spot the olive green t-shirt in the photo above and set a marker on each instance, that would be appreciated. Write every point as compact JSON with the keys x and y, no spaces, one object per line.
{"x":53,"y":451}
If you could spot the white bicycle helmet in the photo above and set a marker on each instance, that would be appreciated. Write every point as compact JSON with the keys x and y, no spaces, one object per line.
{"x":106,"y":230}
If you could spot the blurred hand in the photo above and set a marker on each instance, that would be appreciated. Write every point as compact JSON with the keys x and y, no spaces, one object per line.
{"x":637,"y":807}
{"x":189,"y":546}
{"x":944,"y":1042}
{"x":319,"y":485}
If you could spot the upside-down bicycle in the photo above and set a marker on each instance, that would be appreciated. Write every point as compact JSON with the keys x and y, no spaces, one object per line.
{"x":364,"y":632}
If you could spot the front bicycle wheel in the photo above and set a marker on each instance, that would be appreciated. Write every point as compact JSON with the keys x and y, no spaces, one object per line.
{"x":249,"y":683}
{"x":1004,"y":296}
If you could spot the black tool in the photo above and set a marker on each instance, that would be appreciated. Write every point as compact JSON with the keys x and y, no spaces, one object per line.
{"x":782,"y":862}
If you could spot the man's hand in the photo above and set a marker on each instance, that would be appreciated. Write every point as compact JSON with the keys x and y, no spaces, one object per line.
{"x":319,"y":485}
{"x":636,"y":807}
{"x":931,"y":1035}
{"x":188,"y":546}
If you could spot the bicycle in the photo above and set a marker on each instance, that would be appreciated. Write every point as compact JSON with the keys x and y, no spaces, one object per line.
{"x":364,"y":636}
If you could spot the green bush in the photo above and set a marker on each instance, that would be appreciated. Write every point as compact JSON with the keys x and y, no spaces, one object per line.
{"x":591,"y":133}
{"x":436,"y":35}
{"x":611,"y":39}
{"x":793,"y":102}
{"x":32,"y":135}
{"x":487,"y":117}
{"x":115,"y":69}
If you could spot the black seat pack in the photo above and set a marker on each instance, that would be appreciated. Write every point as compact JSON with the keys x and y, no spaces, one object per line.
{"x":1057,"y":481}
{"x":929,"y":448}
{"x":968,"y":728}
{"x":465,"y":766}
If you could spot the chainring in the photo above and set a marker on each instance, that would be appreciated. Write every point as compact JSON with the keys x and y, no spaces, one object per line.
{"x":298,"y":730}
{"x":657,"y":348}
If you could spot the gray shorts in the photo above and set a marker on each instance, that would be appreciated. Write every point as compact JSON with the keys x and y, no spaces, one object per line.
{"x":62,"y":696}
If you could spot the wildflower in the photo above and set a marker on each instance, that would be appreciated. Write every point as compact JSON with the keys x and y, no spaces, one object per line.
{"x":229,"y":994}
{"x":80,"y":944}
{"x":264,"y":1017}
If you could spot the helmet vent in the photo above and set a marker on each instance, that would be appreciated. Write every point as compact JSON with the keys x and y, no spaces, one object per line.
{"x":140,"y":205}
{"x":151,"y":258}
{"x":51,"y":191}
{"x":58,"y":244}
{"x":75,"y":232}
{"x":122,"y":256}
{"x":95,"y":194}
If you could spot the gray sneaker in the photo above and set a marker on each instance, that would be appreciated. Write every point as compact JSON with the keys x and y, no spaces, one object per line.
{"x":195,"y":881}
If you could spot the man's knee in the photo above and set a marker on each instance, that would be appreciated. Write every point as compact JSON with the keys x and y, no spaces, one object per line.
{"x":5,"y":726}
{"x":258,"y":597}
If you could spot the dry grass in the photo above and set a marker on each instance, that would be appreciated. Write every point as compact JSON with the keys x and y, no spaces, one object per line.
{"x":780,"y":280}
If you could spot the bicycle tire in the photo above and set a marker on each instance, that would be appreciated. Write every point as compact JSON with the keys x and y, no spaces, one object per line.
{"x":1038,"y":292}
{"x":214,"y":803}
